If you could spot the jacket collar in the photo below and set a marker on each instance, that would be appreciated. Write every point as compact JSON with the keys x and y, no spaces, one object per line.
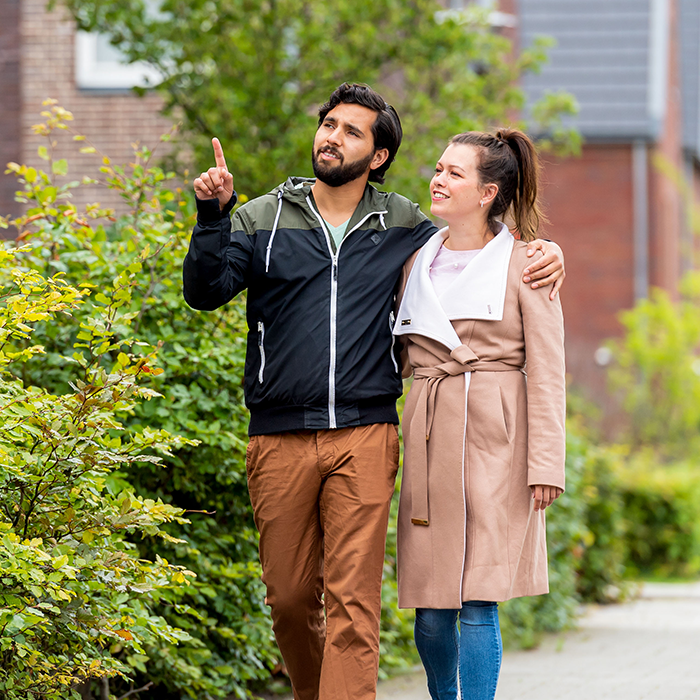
{"x":297,"y":189}
{"x":477,"y":293}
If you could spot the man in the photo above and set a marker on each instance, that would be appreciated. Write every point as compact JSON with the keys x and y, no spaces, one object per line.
{"x":320,"y":260}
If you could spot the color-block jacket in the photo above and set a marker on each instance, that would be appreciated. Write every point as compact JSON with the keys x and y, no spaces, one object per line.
{"x":320,"y":348}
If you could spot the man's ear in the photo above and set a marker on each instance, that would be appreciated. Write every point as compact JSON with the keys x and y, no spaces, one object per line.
{"x":380,"y":157}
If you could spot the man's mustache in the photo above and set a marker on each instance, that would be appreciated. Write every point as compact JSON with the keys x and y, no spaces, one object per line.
{"x":331,"y":151}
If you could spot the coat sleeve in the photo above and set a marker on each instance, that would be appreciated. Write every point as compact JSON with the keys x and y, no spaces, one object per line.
{"x":543,"y":327}
{"x":217,"y":263}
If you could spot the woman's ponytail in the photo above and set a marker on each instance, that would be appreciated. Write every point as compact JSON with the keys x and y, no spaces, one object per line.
{"x":526,"y":210}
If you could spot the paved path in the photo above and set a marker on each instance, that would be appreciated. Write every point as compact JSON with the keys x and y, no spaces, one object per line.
{"x":648,"y":649}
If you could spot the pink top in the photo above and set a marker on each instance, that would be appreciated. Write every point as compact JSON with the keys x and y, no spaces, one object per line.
{"x":446,"y":265}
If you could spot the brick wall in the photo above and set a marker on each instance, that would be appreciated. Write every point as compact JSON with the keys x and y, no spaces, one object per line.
{"x":10,"y":111}
{"x":590,"y":206}
{"x":112,"y":121}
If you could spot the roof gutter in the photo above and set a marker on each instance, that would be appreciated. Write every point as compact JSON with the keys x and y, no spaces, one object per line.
{"x":640,"y":190}
{"x":659,"y":48}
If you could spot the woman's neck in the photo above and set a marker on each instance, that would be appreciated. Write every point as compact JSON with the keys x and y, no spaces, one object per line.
{"x":469,"y":234}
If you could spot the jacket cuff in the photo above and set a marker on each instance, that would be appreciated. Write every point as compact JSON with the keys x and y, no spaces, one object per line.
{"x":208,"y":211}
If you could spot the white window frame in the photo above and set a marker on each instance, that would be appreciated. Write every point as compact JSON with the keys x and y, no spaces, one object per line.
{"x":496,"y":18}
{"x":91,"y":74}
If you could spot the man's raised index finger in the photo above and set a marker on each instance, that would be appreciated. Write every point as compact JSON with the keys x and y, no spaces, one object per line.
{"x":218,"y":153}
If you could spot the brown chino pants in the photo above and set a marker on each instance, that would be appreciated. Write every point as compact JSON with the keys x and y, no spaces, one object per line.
{"x":321,"y":503}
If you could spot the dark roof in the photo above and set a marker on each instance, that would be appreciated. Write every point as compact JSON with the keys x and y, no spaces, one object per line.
{"x":610,"y":54}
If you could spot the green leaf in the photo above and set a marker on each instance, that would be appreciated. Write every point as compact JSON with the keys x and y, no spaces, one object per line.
{"x":59,"y":562}
{"x":47,"y":195}
{"x":60,"y":167}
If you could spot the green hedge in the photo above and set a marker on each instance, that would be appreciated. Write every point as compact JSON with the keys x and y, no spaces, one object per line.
{"x":662,"y":518}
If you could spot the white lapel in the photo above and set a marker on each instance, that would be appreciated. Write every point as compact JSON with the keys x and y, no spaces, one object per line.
{"x":479,"y":291}
{"x":420,"y":311}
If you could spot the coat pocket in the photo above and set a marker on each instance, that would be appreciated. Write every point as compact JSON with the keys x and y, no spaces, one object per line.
{"x":488,"y":423}
{"x":261,"y":347}
{"x":507,"y":413}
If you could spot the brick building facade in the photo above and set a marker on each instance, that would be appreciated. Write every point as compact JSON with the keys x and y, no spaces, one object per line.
{"x":37,"y":61}
{"x":621,"y":220}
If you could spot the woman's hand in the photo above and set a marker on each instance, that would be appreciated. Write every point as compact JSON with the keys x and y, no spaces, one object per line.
{"x":545,"y":495}
{"x":548,"y":269}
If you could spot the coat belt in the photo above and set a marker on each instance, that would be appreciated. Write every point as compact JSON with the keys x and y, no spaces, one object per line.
{"x":429,"y":379}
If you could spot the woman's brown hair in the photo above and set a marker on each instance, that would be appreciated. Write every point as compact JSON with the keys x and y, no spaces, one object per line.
{"x":508,"y":159}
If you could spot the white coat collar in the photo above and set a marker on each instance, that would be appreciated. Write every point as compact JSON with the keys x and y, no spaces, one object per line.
{"x":478,"y":292}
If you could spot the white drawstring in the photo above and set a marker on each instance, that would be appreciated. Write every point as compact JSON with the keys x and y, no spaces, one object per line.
{"x":274,"y":230}
{"x":381,"y":218}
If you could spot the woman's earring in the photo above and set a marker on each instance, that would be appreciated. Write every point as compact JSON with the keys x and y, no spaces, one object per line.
{"x":482,"y":203}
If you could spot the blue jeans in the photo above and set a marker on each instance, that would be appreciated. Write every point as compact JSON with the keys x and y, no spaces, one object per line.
{"x":470,"y":657}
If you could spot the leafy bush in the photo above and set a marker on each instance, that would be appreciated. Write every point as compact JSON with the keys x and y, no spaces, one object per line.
{"x":78,"y":601}
{"x":662,"y":513}
{"x":657,"y":371}
{"x":657,"y":375}
{"x":601,"y":567}
{"x":202,"y":360}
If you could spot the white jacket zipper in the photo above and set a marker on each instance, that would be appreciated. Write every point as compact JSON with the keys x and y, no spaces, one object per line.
{"x":393,"y":340}
{"x":332,"y":423}
{"x":261,"y":346}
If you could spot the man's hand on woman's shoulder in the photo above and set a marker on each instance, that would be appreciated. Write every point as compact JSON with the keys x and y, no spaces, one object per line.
{"x":548,"y":268}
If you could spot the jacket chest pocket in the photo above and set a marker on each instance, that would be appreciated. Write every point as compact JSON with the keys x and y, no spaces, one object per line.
{"x":261,"y":347}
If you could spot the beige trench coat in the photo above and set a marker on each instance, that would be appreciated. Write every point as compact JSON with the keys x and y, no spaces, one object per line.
{"x":483,"y":541}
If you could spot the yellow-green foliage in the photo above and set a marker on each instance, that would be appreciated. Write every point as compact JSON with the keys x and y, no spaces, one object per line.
{"x":657,"y":370}
{"x":131,"y":268}
{"x":76,"y":599}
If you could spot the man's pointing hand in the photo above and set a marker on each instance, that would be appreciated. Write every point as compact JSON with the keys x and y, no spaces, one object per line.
{"x":217,"y":182}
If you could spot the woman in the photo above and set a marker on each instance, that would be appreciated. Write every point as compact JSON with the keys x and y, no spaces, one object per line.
{"x":484,"y":444}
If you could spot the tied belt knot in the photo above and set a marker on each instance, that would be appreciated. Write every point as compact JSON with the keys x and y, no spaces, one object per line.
{"x":463,"y":361}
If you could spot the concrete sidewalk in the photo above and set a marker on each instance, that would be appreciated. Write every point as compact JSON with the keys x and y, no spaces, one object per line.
{"x":648,"y":649}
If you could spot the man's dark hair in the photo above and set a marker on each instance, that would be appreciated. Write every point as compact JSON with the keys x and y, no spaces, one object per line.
{"x":386,"y":130}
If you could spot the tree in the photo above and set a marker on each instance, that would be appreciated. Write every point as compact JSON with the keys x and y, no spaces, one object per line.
{"x":254,"y":73}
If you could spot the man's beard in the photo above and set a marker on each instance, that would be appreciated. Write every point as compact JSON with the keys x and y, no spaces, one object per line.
{"x":341,"y":174}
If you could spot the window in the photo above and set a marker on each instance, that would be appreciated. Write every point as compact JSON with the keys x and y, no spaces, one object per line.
{"x":496,"y":19}
{"x":101,"y":66}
